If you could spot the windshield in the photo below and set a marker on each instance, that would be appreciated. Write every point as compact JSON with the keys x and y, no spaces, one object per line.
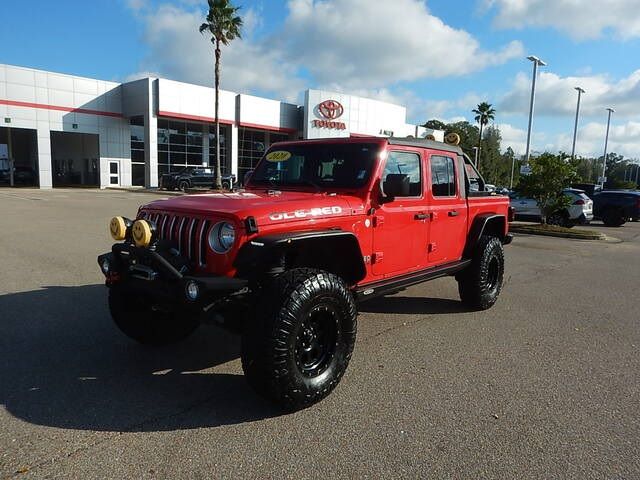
{"x":324,"y":166}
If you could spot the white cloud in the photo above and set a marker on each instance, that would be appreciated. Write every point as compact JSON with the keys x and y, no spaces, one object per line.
{"x":178,"y":51}
{"x":555,"y":95}
{"x":579,"y":18}
{"x":136,"y":5}
{"x":513,"y":137}
{"x":359,"y":43}
{"x":623,"y":139}
{"x":346,"y":45}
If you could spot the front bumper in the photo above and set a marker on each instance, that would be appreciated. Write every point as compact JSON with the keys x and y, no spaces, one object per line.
{"x":163,"y":275}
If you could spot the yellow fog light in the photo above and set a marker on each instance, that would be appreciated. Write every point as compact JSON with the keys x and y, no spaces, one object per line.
{"x":141,"y":233}
{"x":118,"y":227}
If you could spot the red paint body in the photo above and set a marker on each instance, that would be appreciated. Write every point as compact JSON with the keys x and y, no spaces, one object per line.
{"x":392,"y":240}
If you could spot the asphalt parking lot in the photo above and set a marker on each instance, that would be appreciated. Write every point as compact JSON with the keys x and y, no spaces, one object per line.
{"x":544,"y":385}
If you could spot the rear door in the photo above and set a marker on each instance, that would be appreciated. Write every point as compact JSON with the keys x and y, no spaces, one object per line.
{"x":448,"y":209}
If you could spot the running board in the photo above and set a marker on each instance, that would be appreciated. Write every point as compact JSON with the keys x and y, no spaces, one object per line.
{"x":392,"y":285}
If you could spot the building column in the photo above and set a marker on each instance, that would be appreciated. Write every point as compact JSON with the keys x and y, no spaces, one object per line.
{"x":150,"y":141}
{"x":44,"y":158}
{"x":233,"y":149}
{"x":205,"y":145}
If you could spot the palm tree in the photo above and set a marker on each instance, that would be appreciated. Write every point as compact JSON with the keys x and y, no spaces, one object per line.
{"x":484,"y":113}
{"x":224,"y":25}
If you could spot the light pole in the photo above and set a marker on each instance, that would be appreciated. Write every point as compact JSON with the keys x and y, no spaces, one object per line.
{"x":575,"y":127}
{"x":606,"y":144}
{"x":536,"y":63}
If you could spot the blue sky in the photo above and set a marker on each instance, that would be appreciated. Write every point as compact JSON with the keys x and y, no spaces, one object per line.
{"x":439,"y":58}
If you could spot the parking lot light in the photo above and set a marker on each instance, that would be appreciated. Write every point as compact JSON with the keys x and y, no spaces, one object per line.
{"x":606,"y":144}
{"x":575,"y":127}
{"x":536,"y":63}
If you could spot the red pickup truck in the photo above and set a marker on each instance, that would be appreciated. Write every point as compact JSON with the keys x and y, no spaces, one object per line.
{"x":320,"y":226}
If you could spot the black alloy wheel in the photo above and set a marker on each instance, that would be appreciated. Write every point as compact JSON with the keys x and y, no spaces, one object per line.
{"x":316,"y":340}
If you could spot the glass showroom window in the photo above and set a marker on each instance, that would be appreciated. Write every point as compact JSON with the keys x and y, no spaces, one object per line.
{"x":225,"y":168}
{"x":179,"y":145}
{"x":137,"y":151}
{"x":252,"y":145}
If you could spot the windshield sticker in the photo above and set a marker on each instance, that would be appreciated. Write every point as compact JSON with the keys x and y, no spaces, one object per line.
{"x":278,"y":156}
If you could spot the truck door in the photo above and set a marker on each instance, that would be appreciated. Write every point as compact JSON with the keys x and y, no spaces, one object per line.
{"x":400,"y":226}
{"x":448,"y":210}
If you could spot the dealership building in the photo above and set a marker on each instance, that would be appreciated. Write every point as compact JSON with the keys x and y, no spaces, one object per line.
{"x":62,"y":130}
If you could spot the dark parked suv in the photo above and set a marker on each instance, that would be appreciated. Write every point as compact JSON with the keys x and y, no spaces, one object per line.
{"x":194,"y":177}
{"x":617,"y":206}
{"x":22,"y":175}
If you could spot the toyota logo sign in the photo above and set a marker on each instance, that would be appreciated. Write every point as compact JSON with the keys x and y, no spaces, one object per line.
{"x":331,"y":109}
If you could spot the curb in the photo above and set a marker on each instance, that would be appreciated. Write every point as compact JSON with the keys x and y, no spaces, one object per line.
{"x":588,"y":235}
{"x":144,"y":190}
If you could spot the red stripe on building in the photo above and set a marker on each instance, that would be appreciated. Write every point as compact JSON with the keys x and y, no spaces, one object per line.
{"x":197,"y":118}
{"x":13,"y":103}
{"x":267,"y":127}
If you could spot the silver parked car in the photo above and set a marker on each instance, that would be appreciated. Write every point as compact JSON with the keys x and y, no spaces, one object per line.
{"x":580,"y":211}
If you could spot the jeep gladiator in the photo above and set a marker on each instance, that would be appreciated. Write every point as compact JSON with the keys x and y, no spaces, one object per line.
{"x":320,"y":226}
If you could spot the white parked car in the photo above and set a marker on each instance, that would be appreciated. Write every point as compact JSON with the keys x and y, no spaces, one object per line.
{"x":581,"y":209}
{"x":579,"y":212}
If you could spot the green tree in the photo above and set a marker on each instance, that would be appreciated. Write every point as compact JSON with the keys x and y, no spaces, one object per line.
{"x":223,"y":25}
{"x":468,"y":135}
{"x":435,"y":124}
{"x":585,"y":169}
{"x":550,"y":174}
{"x":492,"y":165}
{"x":484,"y":113}
{"x":513,"y":165}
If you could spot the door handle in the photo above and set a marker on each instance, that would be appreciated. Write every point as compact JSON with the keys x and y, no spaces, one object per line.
{"x":454,"y":213}
{"x":421,"y":216}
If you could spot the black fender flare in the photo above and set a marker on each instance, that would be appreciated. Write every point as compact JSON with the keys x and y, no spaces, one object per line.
{"x":486,"y":223}
{"x":336,"y":251}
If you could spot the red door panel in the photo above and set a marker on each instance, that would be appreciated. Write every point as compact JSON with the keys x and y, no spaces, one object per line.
{"x":448,"y":224}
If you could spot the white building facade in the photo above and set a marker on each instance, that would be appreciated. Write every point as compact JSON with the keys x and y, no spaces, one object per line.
{"x":63,"y":130}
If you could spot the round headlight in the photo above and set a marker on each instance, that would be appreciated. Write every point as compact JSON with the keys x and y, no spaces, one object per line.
{"x":221,"y":237}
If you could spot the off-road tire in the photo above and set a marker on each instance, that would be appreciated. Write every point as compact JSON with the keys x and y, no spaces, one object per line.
{"x":613,"y":218}
{"x":480,"y":283}
{"x":183,"y":185}
{"x":137,"y":318}
{"x":273,"y":347}
{"x":226,"y":185}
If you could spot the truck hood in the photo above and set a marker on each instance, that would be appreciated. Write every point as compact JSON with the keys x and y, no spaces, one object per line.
{"x":266,"y":208}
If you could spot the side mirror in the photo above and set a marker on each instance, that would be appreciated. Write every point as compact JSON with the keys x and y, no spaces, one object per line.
{"x":395,"y":185}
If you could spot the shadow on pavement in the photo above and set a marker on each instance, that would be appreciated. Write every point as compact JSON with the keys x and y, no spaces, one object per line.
{"x":412,"y":306}
{"x":64,"y":364}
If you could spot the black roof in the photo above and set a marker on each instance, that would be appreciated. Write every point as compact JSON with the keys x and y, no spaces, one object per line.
{"x":422,"y":142}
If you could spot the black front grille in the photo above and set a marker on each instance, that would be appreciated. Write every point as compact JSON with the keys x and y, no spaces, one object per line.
{"x":188,"y":234}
